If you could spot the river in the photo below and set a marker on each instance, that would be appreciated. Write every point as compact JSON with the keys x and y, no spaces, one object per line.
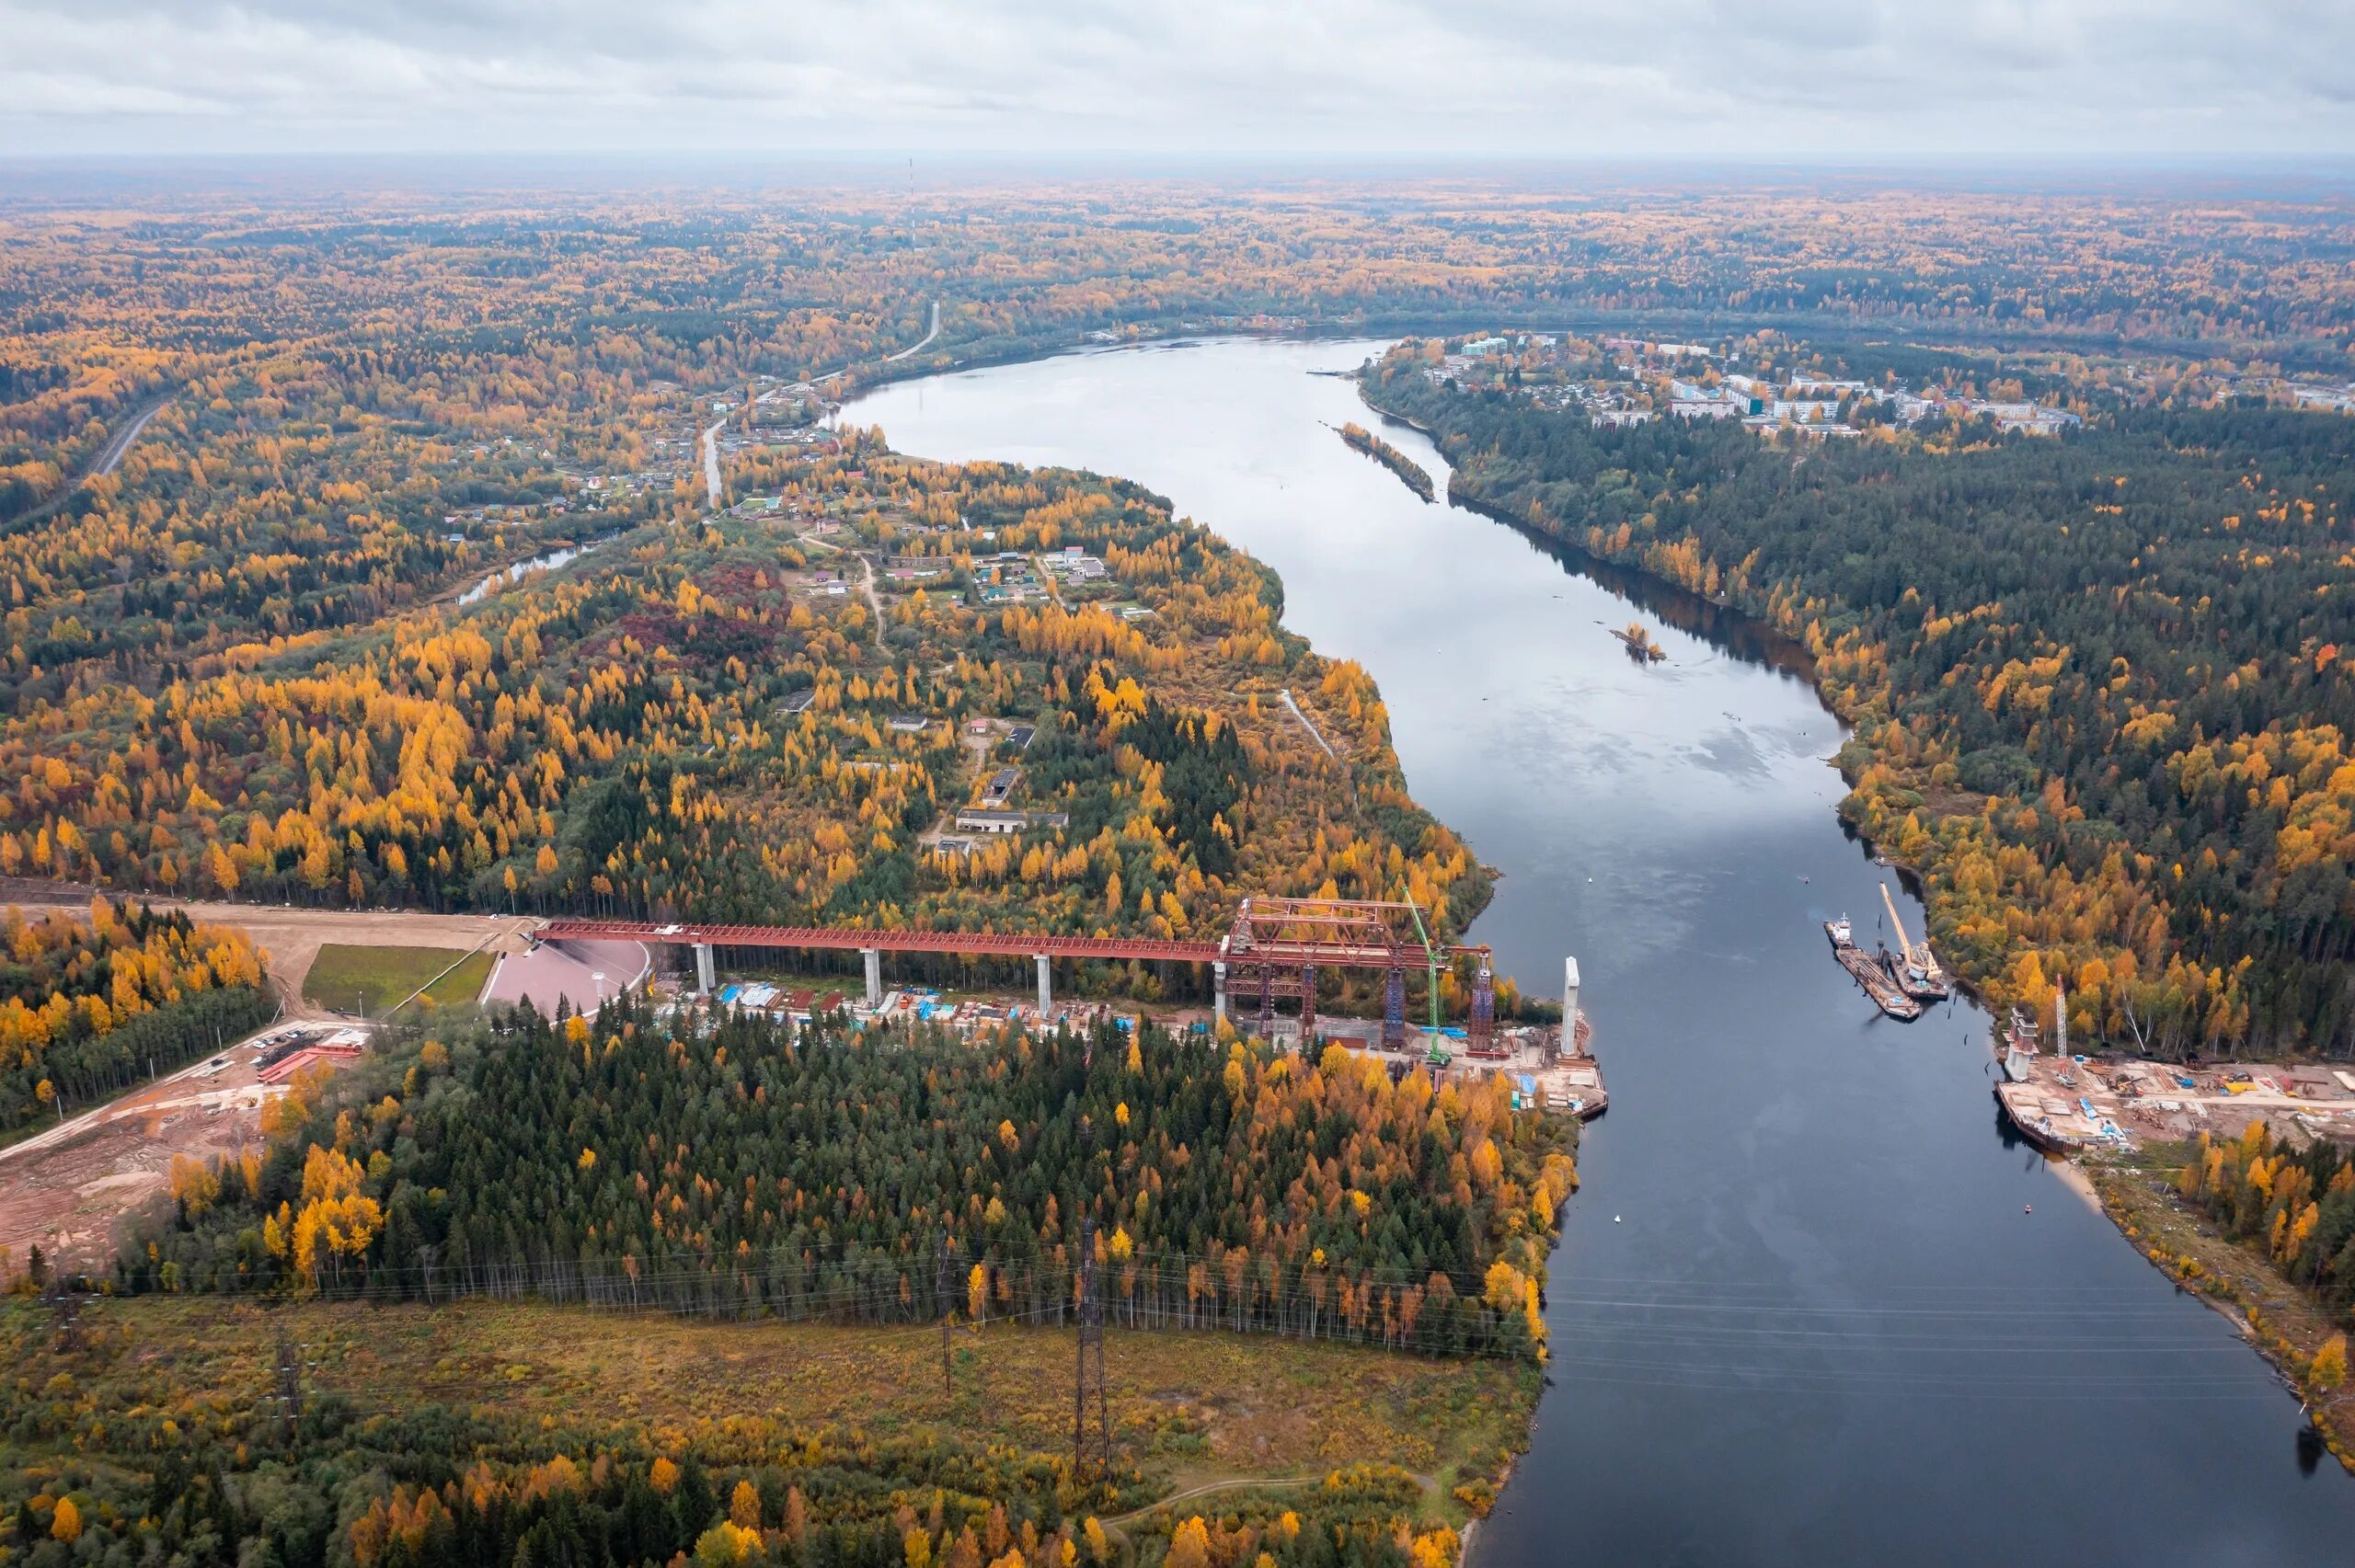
{"x":1799,"y":1312}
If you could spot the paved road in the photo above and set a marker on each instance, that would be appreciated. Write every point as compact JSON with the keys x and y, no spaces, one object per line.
{"x":120,"y":448}
{"x":917,"y":347}
{"x":291,"y":938}
{"x":1307,"y":725}
{"x":109,"y":460}
{"x":874,"y":601}
{"x":711,"y":459}
{"x":154,"y":1098}
{"x":815,"y":381}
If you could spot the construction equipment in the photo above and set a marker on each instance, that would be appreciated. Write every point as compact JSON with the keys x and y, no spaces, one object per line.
{"x":1278,"y":945}
{"x":1922,"y":979}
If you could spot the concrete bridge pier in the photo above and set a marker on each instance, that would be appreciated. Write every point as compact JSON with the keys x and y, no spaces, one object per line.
{"x":1218,"y":990}
{"x":1569,"y":1045}
{"x":874,"y":956}
{"x":1046,"y":988}
{"x":706,"y":971}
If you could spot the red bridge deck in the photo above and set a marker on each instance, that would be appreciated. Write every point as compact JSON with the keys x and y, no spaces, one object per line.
{"x":1010,"y":945}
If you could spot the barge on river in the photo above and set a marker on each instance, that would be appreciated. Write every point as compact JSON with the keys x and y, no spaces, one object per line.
{"x":2047,"y":1119}
{"x":1878,"y":976}
{"x":1918,"y":974}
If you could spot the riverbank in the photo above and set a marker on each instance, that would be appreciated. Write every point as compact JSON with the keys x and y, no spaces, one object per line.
{"x":2281,"y":1322}
{"x":1777,"y":1154}
{"x":1885,"y":789}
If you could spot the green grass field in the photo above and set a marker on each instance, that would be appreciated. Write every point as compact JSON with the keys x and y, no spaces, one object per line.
{"x":345,"y":978}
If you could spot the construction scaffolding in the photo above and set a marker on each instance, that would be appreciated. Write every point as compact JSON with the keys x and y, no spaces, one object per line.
{"x":1276,"y":948}
{"x":1480,"y":1037}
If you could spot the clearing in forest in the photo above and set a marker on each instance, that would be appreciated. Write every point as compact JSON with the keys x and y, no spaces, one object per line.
{"x":374,"y":979}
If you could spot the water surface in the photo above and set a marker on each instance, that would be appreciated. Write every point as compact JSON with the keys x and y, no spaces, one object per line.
{"x":545,"y":562}
{"x":1799,"y":1311}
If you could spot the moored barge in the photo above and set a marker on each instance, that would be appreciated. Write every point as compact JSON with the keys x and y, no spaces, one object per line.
{"x":1877,"y":977}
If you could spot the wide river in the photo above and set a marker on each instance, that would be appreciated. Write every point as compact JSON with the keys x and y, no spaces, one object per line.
{"x":1800,"y":1312}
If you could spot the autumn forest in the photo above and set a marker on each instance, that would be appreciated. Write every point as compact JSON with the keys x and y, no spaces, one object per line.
{"x":503,"y":553}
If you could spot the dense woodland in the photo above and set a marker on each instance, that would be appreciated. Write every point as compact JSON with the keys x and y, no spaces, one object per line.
{"x":88,"y":1006}
{"x":618,"y":740}
{"x":2097,"y":682}
{"x":735,"y":1167}
{"x":238,"y":665}
{"x":749,"y":1169}
{"x":2296,"y":1205}
{"x":2096,"y":679}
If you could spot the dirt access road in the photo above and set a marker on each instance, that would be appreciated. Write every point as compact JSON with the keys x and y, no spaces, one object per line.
{"x":66,"y":1189}
{"x":69,"y":1187}
{"x":292,"y":937}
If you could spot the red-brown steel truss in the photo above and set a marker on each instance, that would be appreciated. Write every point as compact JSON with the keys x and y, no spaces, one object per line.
{"x":1272,"y":951}
{"x":1347,"y":934}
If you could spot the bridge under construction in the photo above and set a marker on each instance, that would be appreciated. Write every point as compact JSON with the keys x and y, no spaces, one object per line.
{"x":1272,"y":952}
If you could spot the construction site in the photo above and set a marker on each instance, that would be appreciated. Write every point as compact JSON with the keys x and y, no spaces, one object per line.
{"x":1265,"y":974}
{"x":66,"y":1188}
{"x":2063,"y":1102}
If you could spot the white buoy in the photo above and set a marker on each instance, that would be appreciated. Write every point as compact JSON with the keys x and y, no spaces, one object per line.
{"x":1614,"y":1219}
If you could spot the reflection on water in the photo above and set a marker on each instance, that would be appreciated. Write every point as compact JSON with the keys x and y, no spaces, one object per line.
{"x":516,"y":573}
{"x":1823,"y":1328}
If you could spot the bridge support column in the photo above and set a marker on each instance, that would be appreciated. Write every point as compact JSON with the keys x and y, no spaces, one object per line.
{"x":1481,"y":1031}
{"x":1569,"y":1043}
{"x":1046,"y":988}
{"x":874,"y":956}
{"x":1218,"y":990}
{"x":707,"y":974}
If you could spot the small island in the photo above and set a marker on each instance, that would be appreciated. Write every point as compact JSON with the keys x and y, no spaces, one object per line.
{"x":1641,"y":646}
{"x":1409,"y":472}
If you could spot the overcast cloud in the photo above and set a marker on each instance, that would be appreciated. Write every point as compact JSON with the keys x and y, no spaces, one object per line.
{"x":1855,"y":79}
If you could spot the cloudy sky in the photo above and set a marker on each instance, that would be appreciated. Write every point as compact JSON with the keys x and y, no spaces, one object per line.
{"x":1847,"y":79}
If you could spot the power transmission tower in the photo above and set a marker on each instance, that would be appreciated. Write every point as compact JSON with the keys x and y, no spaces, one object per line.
{"x":65,"y":1316}
{"x":948,"y":1309}
{"x":289,"y":1358}
{"x":1091,"y":1365}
